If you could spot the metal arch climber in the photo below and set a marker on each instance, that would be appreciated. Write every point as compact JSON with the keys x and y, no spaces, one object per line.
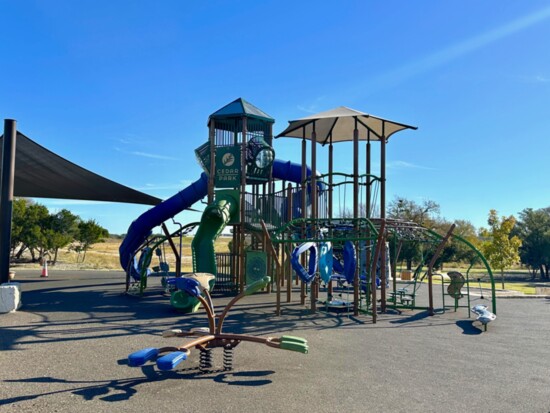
{"x":407,"y":231}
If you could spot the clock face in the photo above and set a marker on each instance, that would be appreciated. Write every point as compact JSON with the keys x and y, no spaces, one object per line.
{"x":264,"y":158}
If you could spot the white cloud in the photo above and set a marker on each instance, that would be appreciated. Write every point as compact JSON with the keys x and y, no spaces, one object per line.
{"x":152,"y":155}
{"x":312,"y":107}
{"x":130,"y":139}
{"x":465,"y":47}
{"x":165,"y":186}
{"x":535,"y":79}
{"x":146,"y":154}
{"x":64,"y":202}
{"x":406,"y":165}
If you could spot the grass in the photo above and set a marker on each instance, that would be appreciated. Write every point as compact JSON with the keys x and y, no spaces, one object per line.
{"x":104,"y":256}
{"x":520,"y":286}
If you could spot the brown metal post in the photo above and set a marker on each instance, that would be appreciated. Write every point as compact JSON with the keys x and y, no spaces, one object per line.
{"x":6,"y":200}
{"x":368,"y":191}
{"x":174,"y":249}
{"x":288,"y":268}
{"x":212,"y":174}
{"x":356,"y":213}
{"x":304,"y":177}
{"x":330,"y":178}
{"x":273,"y":253}
{"x":304,"y":212}
{"x":368,"y":198}
{"x":269,"y":217}
{"x":383,"y":172}
{"x":355,"y":171}
{"x":330,"y":194}
{"x":383,"y":212}
{"x":313,"y":179}
{"x":394,"y":267}
{"x":383,"y":277}
{"x":271,"y":195}
{"x":235,"y":254}
{"x":436,"y":255}
{"x":379,"y":241}
{"x":242,"y":274}
{"x":313,"y":183}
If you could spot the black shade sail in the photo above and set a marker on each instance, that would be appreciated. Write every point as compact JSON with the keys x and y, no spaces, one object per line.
{"x":40,"y":173}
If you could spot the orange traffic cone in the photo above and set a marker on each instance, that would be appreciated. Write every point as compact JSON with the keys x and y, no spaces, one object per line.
{"x":44,"y":269}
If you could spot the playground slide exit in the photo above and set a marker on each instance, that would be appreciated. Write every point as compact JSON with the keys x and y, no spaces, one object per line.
{"x":141,"y":228}
{"x":214,"y":219}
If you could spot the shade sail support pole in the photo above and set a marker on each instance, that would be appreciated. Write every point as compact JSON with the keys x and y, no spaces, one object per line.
{"x":6,"y":200}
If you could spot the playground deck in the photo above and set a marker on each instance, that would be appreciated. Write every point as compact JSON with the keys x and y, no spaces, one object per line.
{"x":66,"y":349}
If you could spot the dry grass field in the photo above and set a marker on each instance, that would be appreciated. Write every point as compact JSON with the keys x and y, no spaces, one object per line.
{"x":104,"y":256}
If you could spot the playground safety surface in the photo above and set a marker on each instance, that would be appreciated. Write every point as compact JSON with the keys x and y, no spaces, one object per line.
{"x":65,"y":350}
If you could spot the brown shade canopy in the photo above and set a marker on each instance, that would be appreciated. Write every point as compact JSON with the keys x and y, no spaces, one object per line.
{"x":40,"y":173}
{"x":339,"y":123}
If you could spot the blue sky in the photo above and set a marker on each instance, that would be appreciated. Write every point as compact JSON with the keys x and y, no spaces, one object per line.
{"x":124,"y":88}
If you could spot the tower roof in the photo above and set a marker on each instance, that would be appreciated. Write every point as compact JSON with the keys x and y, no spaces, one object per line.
{"x":238,"y":108}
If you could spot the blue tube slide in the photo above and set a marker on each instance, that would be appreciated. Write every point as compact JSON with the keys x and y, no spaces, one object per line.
{"x":141,"y":228}
{"x":305,"y":275}
{"x":347,"y":270}
{"x":290,"y":171}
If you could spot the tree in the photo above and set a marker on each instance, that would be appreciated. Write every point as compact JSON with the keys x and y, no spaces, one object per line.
{"x":455,"y":250}
{"x":28,"y":221}
{"x":500,"y":247}
{"x":465,"y":229}
{"x":533,"y":228}
{"x":62,"y":230}
{"x":424,"y":214}
{"x":17,"y":226}
{"x":89,"y":233}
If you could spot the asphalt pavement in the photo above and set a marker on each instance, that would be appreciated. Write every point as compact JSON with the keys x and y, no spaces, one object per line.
{"x":65,"y":350}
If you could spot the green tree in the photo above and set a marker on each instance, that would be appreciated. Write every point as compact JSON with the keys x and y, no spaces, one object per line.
{"x":533,"y":228}
{"x":62,"y":230}
{"x":424,"y":214}
{"x":17,"y":226}
{"x":89,"y":233}
{"x":455,"y":250}
{"x":28,"y":221}
{"x":500,"y":247}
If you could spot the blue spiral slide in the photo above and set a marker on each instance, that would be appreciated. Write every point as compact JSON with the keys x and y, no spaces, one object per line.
{"x":141,"y":228}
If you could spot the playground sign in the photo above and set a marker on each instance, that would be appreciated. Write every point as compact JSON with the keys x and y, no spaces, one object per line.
{"x":228,"y":167}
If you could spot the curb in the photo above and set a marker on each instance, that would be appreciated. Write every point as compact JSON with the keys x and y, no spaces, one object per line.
{"x":511,"y":294}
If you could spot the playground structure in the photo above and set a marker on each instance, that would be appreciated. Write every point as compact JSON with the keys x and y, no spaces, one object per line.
{"x":293,"y":224}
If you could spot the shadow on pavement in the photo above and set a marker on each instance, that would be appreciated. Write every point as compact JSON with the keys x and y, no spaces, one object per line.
{"x":124,"y":389}
{"x":415,"y":317}
{"x":75,"y":313}
{"x":468,"y":327}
